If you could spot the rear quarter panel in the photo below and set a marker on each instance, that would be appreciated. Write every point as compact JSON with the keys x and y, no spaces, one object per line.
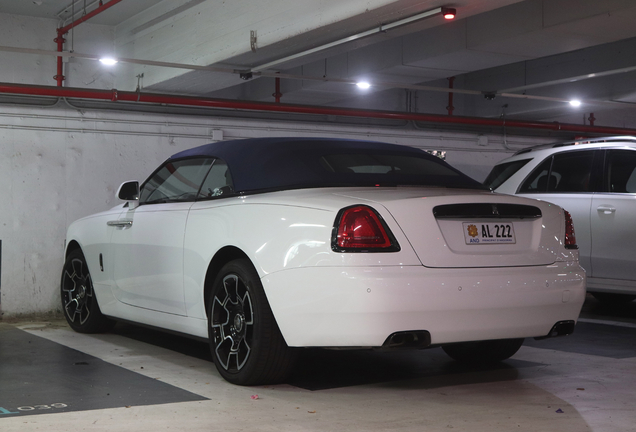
{"x":275,"y":234}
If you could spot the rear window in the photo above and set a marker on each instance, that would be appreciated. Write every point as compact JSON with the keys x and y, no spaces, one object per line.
{"x":502,"y":172}
{"x":384,"y":164}
{"x":391,"y":169}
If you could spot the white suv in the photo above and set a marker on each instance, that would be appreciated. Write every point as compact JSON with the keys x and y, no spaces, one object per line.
{"x":595,"y":180}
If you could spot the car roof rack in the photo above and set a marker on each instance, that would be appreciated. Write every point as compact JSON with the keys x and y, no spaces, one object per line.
{"x":579,"y":141}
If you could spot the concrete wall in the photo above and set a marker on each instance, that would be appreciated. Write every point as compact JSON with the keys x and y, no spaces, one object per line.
{"x":59,"y":164}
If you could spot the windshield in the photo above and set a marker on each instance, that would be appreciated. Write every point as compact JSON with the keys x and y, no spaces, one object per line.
{"x":502,"y":172}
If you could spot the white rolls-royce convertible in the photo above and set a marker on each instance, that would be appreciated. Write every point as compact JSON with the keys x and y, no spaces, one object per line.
{"x":263,"y":246}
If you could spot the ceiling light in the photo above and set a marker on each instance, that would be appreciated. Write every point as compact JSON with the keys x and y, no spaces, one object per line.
{"x":108,"y":61}
{"x":363,"y":85}
{"x":575,"y":103}
{"x":449,"y":13}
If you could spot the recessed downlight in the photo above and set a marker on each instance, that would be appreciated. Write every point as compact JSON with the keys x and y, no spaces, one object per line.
{"x":108,"y":61}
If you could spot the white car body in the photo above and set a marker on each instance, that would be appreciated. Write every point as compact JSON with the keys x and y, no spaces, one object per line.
{"x":603,"y":218}
{"x":153,"y":264}
{"x":323,"y":298}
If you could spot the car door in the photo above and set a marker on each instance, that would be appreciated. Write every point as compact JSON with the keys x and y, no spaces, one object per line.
{"x":614,"y":218}
{"x":569,"y":180}
{"x":205,"y":235}
{"x":147,"y":245}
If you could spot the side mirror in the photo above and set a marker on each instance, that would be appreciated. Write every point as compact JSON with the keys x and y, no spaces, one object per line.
{"x":129,"y":191}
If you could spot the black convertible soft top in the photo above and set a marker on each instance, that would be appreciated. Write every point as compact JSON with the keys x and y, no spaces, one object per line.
{"x":268,"y":164}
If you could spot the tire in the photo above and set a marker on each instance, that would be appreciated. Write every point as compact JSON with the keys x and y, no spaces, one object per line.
{"x":78,"y":297}
{"x":246,"y":343}
{"x":613,"y":299}
{"x":483,"y":352}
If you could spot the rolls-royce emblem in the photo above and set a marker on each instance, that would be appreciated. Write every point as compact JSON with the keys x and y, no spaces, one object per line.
{"x":495,"y":210}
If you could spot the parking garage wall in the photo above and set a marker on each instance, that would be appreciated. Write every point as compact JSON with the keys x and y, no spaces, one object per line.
{"x":59,"y":164}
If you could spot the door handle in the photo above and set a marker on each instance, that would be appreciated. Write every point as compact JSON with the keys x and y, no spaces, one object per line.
{"x":121,"y":223}
{"x":606,"y":209}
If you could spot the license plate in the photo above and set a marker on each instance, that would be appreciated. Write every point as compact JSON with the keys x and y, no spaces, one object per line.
{"x":489,"y":233}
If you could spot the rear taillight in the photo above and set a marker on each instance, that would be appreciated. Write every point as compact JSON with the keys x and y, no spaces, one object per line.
{"x":570,"y":238}
{"x":360,"y":229}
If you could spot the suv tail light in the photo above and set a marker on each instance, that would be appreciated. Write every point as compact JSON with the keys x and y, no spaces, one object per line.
{"x":361,"y":229}
{"x":570,"y":238}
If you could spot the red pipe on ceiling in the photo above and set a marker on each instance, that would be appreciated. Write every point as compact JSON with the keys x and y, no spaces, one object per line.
{"x":167,"y":99}
{"x":59,"y":77}
{"x":88,"y":16}
{"x":277,"y":94}
{"x":450,"y":106}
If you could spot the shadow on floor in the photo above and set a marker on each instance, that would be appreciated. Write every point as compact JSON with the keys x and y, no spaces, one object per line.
{"x":38,"y":376}
{"x":319,"y":369}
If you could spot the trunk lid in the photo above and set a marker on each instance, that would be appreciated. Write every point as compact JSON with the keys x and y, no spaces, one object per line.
{"x":468,"y":228}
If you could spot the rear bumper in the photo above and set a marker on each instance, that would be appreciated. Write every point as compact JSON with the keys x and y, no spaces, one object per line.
{"x":362,"y":306}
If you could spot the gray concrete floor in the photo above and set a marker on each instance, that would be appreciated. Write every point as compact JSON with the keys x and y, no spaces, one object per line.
{"x":140,"y":380}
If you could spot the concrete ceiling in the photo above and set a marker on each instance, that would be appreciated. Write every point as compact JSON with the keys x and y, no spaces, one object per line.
{"x":63,"y":9}
{"x":544,"y":49}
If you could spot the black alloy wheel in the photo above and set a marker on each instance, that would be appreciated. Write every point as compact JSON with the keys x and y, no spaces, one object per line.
{"x":246,"y":343}
{"x":78,"y":297}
